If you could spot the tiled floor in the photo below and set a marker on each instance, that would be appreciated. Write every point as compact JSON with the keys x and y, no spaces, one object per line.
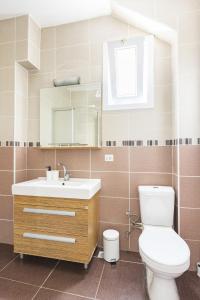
{"x":47,"y":279}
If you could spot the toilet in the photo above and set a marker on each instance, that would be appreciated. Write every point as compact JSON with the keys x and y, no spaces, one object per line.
{"x":164,"y":253}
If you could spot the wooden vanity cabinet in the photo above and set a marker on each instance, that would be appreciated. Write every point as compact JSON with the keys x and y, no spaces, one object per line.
{"x":65,"y":229}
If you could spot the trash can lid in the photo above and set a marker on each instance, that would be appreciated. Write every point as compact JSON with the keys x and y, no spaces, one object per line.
{"x":111,"y":234}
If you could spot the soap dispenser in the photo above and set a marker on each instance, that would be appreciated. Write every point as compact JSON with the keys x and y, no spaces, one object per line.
{"x":52,"y":175}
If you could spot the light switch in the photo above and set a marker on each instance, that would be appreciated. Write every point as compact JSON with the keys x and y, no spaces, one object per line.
{"x":109,"y":157}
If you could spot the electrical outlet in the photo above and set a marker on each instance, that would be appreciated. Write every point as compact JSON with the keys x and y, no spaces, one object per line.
{"x":109,"y":157}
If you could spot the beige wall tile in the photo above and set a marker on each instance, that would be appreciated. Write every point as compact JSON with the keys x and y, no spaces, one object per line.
{"x":6,"y":204}
{"x":40,"y":159}
{"x":7,"y":55}
{"x":163,"y":98}
{"x":151,"y":159}
{"x":190,"y":192}
{"x":21,"y":51}
{"x":6,"y":180}
{"x":7,"y":79}
{"x":7,"y":30}
{"x":21,"y":107}
{"x":34,"y":33}
{"x":113,"y":210}
{"x":96,"y":73}
{"x":7,"y":104}
{"x":147,"y":124}
{"x":33,"y":55}
{"x":148,"y":179}
{"x":22,"y":28}
{"x":7,"y":132}
{"x":6,"y":232}
{"x":34,"y":108}
{"x":190,"y":106}
{"x":72,"y":34}
{"x":190,"y":223}
{"x":21,"y":81}
{"x":48,"y":38}
{"x":174,"y":160}
{"x":72,"y":57}
{"x":189,"y":59}
{"x":36,"y":82}
{"x":33,"y":130}
{"x":48,"y":60}
{"x":120,"y":163}
{"x":114,"y":29}
{"x":74,"y":159}
{"x":77,"y":174}
{"x":96,"y":53}
{"x":21,"y":158}
{"x":189,"y":28}
{"x":6,"y":158}
{"x":32,"y":174}
{"x":20,"y":176}
{"x":163,"y":71}
{"x":113,"y":184}
{"x":190,"y":160}
{"x":20,"y":129}
{"x":134,"y":240}
{"x":162,"y":49}
{"x":135,"y":206}
{"x":115,"y":126}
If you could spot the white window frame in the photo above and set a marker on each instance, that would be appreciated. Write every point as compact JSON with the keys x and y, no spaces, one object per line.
{"x":145,"y":75}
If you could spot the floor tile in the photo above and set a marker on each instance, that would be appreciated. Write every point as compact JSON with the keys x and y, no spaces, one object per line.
{"x":30,"y":269}
{"x":6,"y":255}
{"x":10,"y":290}
{"x":123,"y":281}
{"x":130,"y":256}
{"x":45,"y":294}
{"x":71,"y":277}
{"x":189,"y":286}
{"x":124,"y":255}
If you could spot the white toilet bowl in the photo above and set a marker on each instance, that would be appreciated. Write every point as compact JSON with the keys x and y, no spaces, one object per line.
{"x":166,"y":256}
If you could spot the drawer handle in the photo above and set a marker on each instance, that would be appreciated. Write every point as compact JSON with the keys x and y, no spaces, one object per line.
{"x":49,"y":237}
{"x":49,"y":212}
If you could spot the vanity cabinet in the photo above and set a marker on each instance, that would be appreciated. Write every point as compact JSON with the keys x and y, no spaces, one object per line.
{"x":59,"y":228}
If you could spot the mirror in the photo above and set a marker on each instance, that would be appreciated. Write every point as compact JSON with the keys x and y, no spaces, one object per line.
{"x":70,"y":116}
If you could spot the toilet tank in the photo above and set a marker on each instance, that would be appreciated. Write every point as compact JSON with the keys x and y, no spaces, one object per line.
{"x":157,"y":205}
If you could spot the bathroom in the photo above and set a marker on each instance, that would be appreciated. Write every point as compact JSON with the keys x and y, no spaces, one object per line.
{"x":126,"y":148}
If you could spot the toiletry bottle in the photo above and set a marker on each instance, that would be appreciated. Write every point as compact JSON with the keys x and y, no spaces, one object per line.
{"x":48,"y":173}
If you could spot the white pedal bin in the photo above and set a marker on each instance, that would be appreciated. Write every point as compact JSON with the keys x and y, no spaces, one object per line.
{"x":111,"y":245}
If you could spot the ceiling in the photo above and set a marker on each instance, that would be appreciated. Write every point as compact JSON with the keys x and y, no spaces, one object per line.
{"x":55,"y":12}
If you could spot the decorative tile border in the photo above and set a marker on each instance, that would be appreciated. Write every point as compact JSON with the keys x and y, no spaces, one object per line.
{"x":19,"y":144}
{"x":124,"y":143}
{"x":156,"y":142}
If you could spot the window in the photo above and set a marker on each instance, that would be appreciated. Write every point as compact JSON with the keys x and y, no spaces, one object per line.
{"x":128,"y":74}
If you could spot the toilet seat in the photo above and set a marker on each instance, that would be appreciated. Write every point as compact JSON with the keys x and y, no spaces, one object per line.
{"x":164,"y":250}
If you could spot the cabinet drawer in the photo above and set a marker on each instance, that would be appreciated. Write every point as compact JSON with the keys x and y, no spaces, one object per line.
{"x":52,"y":202}
{"x":68,"y":219}
{"x":49,"y":243}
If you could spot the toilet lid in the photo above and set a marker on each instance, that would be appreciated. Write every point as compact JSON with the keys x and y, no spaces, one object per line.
{"x":164,"y":246}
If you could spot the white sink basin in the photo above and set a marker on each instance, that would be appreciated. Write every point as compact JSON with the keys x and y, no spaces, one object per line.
{"x":76,"y":188}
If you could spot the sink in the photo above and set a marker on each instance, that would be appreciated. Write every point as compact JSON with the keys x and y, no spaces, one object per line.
{"x":75,"y":188}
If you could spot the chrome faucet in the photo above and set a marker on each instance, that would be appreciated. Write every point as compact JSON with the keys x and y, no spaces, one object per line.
{"x":66,"y":173}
